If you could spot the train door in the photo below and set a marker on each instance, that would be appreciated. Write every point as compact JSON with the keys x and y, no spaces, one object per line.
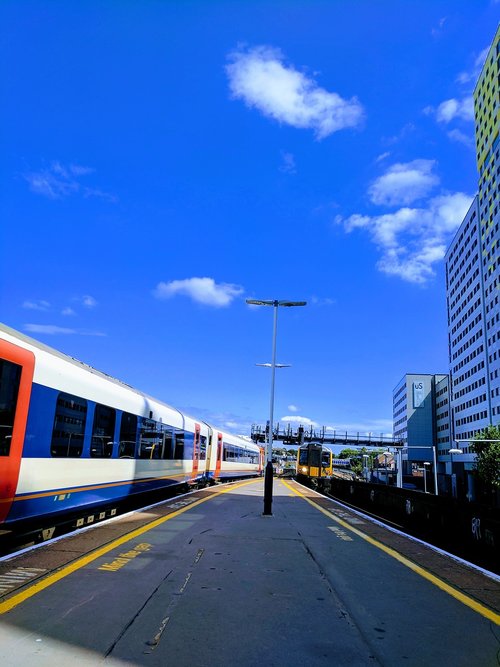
{"x":314,"y":462}
{"x":219,"y":456}
{"x":196,"y":451}
{"x":16,"y":377}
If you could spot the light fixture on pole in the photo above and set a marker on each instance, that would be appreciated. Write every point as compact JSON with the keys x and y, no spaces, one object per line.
{"x":452,"y":451}
{"x":385,"y":455}
{"x":425,"y":464}
{"x":365,"y":466}
{"x":268,"y":480}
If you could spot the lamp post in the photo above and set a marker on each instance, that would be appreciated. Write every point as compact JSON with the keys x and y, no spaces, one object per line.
{"x":365,"y":466}
{"x":454,"y":477}
{"x":268,"y":479}
{"x":425,"y":464}
{"x":385,"y":455}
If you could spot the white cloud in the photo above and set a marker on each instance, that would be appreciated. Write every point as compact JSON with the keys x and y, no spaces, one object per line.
{"x":288,"y":163}
{"x":303,"y":421}
{"x":437,"y":30}
{"x":293,"y":408}
{"x":412,"y":240}
{"x":473,"y":74}
{"x":50,"y":329}
{"x":53,"y":329}
{"x":404,"y":183}
{"x":260,"y":78}
{"x":59,"y":181}
{"x":461,"y":137}
{"x":37,"y":305}
{"x":88,"y":301}
{"x":322,"y":301}
{"x":382,"y":156}
{"x":201,"y":290}
{"x":453,"y":108}
{"x":68,"y":312}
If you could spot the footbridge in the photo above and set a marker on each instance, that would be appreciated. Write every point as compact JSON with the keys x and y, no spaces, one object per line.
{"x":300,"y":435}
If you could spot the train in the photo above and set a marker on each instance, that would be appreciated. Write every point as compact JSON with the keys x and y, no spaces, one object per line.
{"x":73,"y":438}
{"x":316,"y":464}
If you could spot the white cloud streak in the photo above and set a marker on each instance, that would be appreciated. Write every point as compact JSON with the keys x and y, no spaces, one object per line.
{"x":53,"y":330}
{"x":404,"y":183}
{"x":37,"y":305}
{"x":288,"y":163}
{"x":201,"y":290}
{"x":473,"y":74}
{"x":59,"y":181}
{"x":461,"y":138}
{"x":259,"y":77}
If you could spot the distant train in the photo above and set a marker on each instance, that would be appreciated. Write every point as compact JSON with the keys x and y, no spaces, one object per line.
{"x":72,"y":437}
{"x":316,"y":463}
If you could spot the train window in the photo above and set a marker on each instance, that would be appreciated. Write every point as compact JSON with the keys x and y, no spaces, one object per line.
{"x":150,"y":439}
{"x":10,"y":377}
{"x":231,"y":453}
{"x":103,"y":431}
{"x":128,"y":436}
{"x":315,"y":458}
{"x":168,"y":442}
{"x":203,"y":447}
{"x":303,"y":457}
{"x":69,"y":426}
{"x":325,"y":459}
{"x":179,"y":444}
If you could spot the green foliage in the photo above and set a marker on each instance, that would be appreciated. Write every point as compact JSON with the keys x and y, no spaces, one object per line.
{"x":348,"y":454}
{"x":487,"y":463}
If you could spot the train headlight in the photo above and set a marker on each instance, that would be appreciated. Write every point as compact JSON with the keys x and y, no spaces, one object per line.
{"x":304,"y":469}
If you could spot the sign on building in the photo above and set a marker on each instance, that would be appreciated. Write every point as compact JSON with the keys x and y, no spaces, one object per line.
{"x":418,"y":394}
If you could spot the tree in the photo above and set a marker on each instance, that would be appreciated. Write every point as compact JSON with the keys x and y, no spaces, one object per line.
{"x":487,"y":463}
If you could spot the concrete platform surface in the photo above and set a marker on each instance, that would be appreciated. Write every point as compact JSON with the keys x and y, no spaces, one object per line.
{"x":214,"y":583}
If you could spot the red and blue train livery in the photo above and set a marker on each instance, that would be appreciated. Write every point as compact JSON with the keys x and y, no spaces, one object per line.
{"x":74,"y":438}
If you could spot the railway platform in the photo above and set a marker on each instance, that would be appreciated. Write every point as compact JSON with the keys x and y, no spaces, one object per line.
{"x":206,"y":580}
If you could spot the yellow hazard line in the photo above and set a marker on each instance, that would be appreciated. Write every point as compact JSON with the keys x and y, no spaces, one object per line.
{"x":51,"y":579}
{"x":461,"y":597}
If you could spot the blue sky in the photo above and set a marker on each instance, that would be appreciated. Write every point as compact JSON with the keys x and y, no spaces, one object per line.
{"x":163,"y":161}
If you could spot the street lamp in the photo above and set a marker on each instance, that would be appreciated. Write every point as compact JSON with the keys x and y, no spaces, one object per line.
{"x":365,"y":466}
{"x":454,"y":477}
{"x":425,"y":464}
{"x":385,"y":455}
{"x":268,"y":479}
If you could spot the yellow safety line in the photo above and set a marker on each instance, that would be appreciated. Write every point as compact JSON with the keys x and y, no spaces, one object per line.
{"x":461,"y":597}
{"x":12,"y":602}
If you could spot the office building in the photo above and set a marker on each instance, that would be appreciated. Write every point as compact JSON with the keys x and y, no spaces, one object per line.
{"x":421,"y":417}
{"x":473,"y":278}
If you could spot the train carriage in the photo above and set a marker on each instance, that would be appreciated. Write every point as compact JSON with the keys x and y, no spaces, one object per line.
{"x":73,"y":437}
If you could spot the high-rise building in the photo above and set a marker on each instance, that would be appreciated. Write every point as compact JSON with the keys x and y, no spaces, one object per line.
{"x":473,"y":283}
{"x":467,"y":334}
{"x":487,"y":120}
